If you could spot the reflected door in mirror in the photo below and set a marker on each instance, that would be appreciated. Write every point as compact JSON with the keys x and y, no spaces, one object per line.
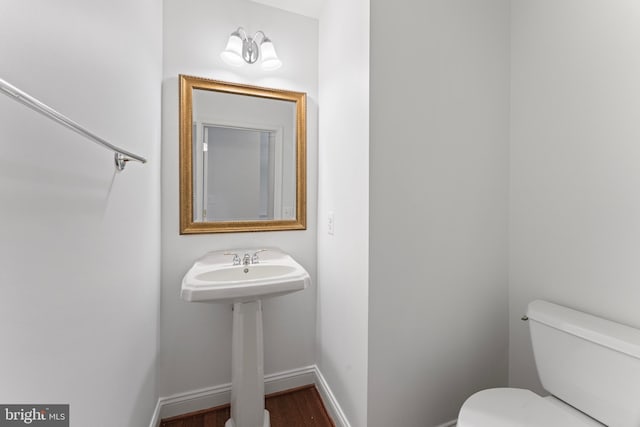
{"x":246,"y":175}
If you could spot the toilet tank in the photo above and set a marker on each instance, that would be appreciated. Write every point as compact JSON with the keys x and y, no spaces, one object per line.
{"x":590,"y":363}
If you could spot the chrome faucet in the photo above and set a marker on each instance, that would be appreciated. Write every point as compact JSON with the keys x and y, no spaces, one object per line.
{"x":246,"y":259}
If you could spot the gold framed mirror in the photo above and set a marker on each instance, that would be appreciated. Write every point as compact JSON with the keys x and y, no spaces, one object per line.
{"x":242,"y":157}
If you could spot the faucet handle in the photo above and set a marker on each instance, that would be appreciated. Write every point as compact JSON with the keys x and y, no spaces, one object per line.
{"x":236,"y":258}
{"x":255,"y":259}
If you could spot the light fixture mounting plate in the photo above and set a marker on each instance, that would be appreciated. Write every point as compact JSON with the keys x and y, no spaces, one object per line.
{"x":250,"y":51}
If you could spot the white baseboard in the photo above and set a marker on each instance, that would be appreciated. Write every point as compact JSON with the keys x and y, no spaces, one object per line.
{"x":196,"y":400}
{"x":329,"y":400}
{"x":155,"y":418}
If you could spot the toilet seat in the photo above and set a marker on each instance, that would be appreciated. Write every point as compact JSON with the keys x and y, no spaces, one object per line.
{"x":513,"y":407}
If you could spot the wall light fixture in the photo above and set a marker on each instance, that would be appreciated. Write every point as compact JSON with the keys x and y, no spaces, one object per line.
{"x":242,"y":48}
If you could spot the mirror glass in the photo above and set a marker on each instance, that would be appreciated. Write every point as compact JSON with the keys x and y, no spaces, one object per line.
{"x":242,"y":152}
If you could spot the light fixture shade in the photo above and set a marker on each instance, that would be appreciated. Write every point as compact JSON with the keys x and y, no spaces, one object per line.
{"x":270,"y":60}
{"x":232,"y":54}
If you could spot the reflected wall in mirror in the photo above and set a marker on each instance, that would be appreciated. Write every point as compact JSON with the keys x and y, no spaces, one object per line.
{"x":242,"y":157}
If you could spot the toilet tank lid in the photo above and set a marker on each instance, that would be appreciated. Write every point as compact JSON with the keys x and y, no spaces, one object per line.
{"x":615,"y":336}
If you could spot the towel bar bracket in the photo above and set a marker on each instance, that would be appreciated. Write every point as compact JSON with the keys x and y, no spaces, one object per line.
{"x":120,"y":161}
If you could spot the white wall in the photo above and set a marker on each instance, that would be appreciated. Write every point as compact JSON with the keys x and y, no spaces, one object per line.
{"x":344,"y":190}
{"x":438,"y":208}
{"x":196,"y":338}
{"x":80,"y":243}
{"x":575,"y":156}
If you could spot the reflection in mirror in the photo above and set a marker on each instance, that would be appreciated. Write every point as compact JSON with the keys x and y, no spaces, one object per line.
{"x":242,"y":150}
{"x":224,"y":144}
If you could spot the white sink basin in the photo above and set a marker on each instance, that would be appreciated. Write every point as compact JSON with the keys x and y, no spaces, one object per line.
{"x":214,"y":278}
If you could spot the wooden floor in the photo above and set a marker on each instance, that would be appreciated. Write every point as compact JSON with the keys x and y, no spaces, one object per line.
{"x":298,"y":407}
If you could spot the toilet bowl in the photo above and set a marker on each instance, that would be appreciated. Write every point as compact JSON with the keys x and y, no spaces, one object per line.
{"x":591,"y":367}
{"x":513,"y":407}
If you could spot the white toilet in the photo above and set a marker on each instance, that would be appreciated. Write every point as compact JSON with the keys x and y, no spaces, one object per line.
{"x":591,"y":367}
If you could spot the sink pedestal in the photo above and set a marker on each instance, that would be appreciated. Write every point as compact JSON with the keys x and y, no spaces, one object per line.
{"x":247,"y":367}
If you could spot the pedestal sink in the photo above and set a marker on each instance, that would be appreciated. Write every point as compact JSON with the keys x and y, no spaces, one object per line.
{"x":244,"y":277}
